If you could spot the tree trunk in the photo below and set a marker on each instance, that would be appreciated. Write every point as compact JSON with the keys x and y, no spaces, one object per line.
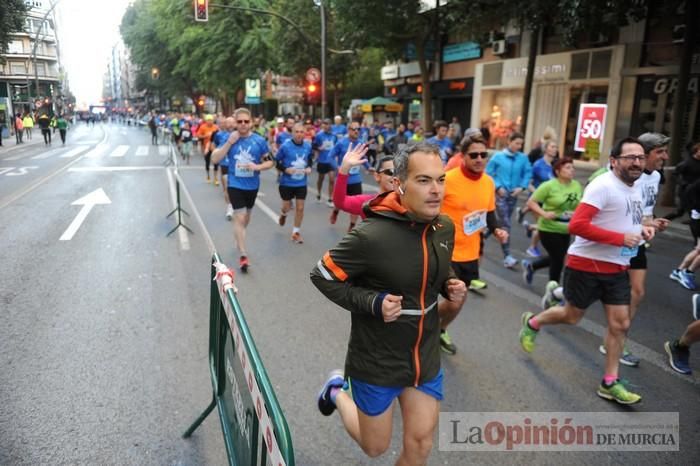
{"x":681,"y":99}
{"x":529,"y":78}
{"x":426,"y":94}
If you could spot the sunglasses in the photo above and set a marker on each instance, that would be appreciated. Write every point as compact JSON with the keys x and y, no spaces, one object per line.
{"x":240,"y":122}
{"x":354,"y":129}
{"x":474,"y":155}
{"x":387,"y":172}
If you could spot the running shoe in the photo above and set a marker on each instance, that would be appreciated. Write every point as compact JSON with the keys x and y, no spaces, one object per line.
{"x":330,"y":204}
{"x":208,"y":179}
{"x":686,"y":279}
{"x":527,"y":334}
{"x":334,"y":217}
{"x":549,"y":299}
{"x":243,"y":264}
{"x":521,"y":214}
{"x":318,"y":198}
{"x":678,"y":357}
{"x":619,"y":393}
{"x":446,"y":343}
{"x":696,"y":306}
{"x":296,"y":237}
{"x":533,"y":252}
{"x":282,"y":219}
{"x":216,"y":182}
{"x":477,"y":285}
{"x":627,"y":358}
{"x":528,"y":271}
{"x":325,"y":403}
{"x":229,"y":212}
{"x":528,"y":229}
{"x":510,"y":262}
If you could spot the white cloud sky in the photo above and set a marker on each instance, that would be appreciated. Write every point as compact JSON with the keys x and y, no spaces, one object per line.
{"x":88,"y":30}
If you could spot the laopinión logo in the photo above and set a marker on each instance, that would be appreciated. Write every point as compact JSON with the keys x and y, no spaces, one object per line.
{"x":544,"y":431}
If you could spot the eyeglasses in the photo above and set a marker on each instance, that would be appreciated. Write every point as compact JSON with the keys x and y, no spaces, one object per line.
{"x":354,"y":129}
{"x":240,"y":122}
{"x":633,"y":158}
{"x":387,"y":172}
{"x":474,"y":155}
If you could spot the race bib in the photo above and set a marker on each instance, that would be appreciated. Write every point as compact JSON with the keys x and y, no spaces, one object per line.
{"x":629,"y":252}
{"x":354,"y":170}
{"x":242,"y":170}
{"x":474,"y":222}
{"x":299,"y":175}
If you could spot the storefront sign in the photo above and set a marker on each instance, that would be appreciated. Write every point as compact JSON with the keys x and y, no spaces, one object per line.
{"x":409,"y":69}
{"x":252,"y":91}
{"x":390,"y":72}
{"x":591,"y":125}
{"x":669,"y":85}
{"x":462,"y":51}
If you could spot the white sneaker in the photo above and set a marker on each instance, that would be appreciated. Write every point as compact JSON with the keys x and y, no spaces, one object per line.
{"x":510,"y":262}
{"x":229,"y":212}
{"x":330,"y":204}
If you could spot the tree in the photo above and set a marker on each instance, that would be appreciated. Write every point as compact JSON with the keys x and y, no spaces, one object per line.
{"x":12,"y":15}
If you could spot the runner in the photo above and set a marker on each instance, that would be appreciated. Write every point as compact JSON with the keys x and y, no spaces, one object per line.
{"x":204,"y":133}
{"x":339,"y":129}
{"x":384,"y":176}
{"x":511,"y":171}
{"x":442,"y":141}
{"x":186,"y":142}
{"x":554,"y":202}
{"x":354,"y":185}
{"x":394,"y":342}
{"x":294,"y":160}
{"x":678,"y":350}
{"x":248,"y":155}
{"x":219,"y":139}
{"x":470,"y":203}
{"x":325,"y":165}
{"x":608,"y":228}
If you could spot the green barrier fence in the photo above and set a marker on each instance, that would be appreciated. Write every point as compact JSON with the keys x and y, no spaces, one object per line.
{"x":254,"y":427}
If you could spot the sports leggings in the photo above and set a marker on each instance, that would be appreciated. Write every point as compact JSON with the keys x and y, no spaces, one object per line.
{"x":556,"y":245}
{"x":207,"y":162}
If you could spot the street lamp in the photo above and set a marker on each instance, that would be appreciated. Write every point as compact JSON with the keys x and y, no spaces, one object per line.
{"x":36,"y":42}
{"x":319,"y":3}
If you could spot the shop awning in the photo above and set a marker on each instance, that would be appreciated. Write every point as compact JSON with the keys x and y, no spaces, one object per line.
{"x":380,"y":104}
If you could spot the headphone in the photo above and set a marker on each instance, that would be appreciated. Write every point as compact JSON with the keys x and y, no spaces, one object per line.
{"x":401,"y":191}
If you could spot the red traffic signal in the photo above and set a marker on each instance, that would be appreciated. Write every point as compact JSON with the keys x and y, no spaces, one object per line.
{"x":311,"y":88}
{"x":200,"y":102}
{"x":201,"y":10}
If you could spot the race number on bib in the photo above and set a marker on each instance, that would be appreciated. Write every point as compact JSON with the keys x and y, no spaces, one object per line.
{"x":474,"y":222}
{"x":354,"y":170}
{"x":299,"y":175}
{"x":629,"y":252}
{"x":242,"y":170}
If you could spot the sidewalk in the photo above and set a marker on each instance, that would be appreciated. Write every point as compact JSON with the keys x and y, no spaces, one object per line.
{"x":10,"y":143}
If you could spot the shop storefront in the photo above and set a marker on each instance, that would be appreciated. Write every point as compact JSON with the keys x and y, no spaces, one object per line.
{"x":562,"y":82}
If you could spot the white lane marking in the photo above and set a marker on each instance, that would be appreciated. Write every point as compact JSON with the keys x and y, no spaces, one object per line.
{"x":269,"y":212}
{"x":195,"y":213}
{"x":48,"y":154}
{"x":115,"y":169}
{"x":97,"y":151}
{"x":181,"y":233}
{"x":142,"y":151}
{"x":647,"y":354}
{"x":88,"y":201}
{"x":120,"y":151}
{"x":22,"y":171}
{"x":73,"y":152}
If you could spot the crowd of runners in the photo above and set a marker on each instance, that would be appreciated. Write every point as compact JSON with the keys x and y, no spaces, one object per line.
{"x":412,"y":250}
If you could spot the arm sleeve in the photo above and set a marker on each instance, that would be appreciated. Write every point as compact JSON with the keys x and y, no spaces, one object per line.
{"x":580,"y":225}
{"x":349,"y":204}
{"x":491,"y":221}
{"x":335,"y":272}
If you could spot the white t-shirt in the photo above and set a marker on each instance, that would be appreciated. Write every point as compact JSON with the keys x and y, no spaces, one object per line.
{"x":620,"y":209}
{"x":648,"y":187}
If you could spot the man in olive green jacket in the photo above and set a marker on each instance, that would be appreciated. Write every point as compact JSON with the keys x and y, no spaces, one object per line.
{"x":388,"y":272}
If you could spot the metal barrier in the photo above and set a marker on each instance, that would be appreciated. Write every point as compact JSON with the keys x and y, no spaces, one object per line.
{"x":254,"y":427}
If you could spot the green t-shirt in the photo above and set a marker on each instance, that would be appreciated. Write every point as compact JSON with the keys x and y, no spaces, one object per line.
{"x":560,"y":198}
{"x":61,"y":123}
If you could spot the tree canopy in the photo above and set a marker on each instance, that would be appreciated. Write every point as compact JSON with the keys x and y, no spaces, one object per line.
{"x":12,"y":15}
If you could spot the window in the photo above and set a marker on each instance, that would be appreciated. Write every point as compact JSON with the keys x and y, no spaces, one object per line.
{"x":18,"y":67}
{"x":41,"y":69}
{"x":16,"y":46}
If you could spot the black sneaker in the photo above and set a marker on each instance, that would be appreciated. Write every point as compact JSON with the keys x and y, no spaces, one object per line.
{"x":678,"y":357}
{"x":521,"y":215}
{"x":334,"y":380}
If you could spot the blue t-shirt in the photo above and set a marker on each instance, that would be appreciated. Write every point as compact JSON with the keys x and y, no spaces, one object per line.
{"x":250,"y":149}
{"x":338,"y":152}
{"x":408,"y":133}
{"x":297,"y":156}
{"x":339,"y":130}
{"x":323,"y":143}
{"x":282,"y":138}
{"x":541,"y":172}
{"x":364,"y":134}
{"x":219,"y":139}
{"x":445,"y":147}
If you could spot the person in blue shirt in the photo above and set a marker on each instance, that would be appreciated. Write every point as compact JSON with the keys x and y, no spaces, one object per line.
{"x":388,"y":132}
{"x":541,"y":172}
{"x":283,"y":136}
{"x":339,"y":129}
{"x":511,"y":173}
{"x":294,"y":160}
{"x":410,"y":130}
{"x":354,"y":177}
{"x":442,"y":141}
{"x":227,"y":125}
{"x":322,"y":145}
{"x":248,"y":155}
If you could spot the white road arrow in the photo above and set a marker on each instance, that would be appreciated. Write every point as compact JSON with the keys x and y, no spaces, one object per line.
{"x":98,"y":196}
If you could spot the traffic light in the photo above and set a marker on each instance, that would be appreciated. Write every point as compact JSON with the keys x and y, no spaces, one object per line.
{"x":201,"y":10}
{"x":312,"y":93}
{"x":200,"y":102}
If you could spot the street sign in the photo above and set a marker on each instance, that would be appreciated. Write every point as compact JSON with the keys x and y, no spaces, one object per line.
{"x":252,"y":91}
{"x":591,"y":125}
{"x":313,"y":75}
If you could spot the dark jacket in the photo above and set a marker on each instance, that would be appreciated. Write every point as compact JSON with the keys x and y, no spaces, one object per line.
{"x":390,"y":253}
